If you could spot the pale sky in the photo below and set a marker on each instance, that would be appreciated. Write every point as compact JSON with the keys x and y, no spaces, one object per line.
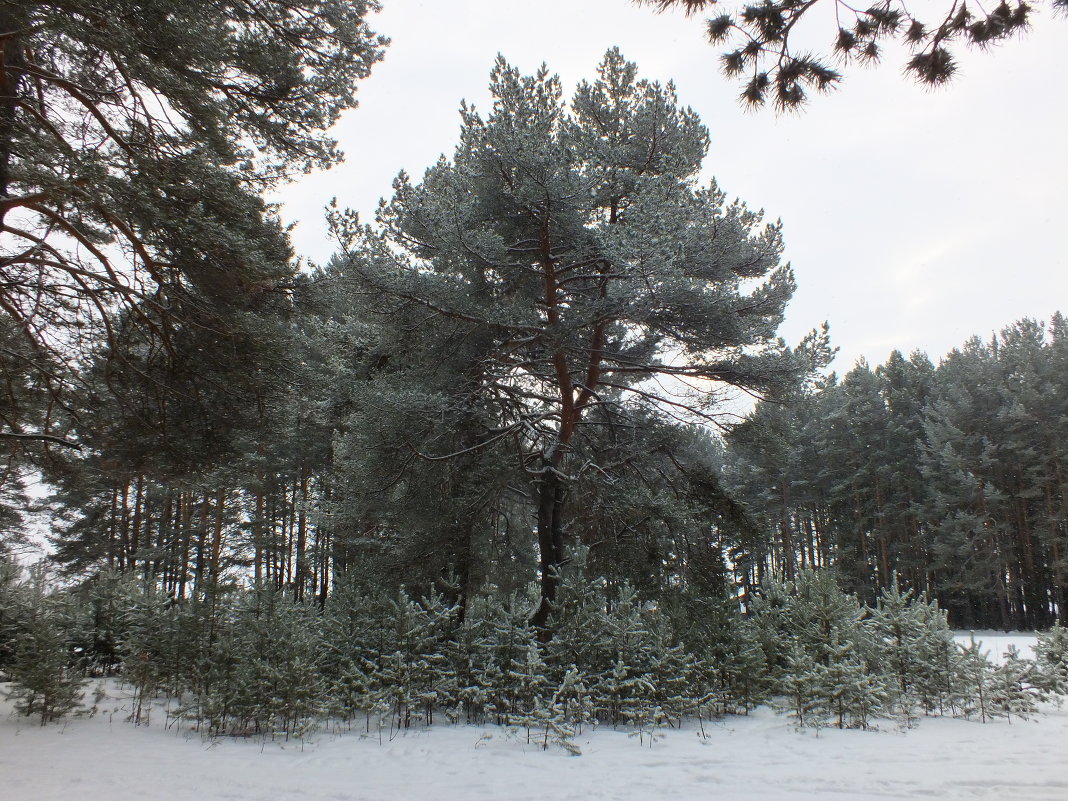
{"x":913,"y":219}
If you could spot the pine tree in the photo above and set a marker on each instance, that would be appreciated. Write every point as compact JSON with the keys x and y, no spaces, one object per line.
{"x":745,"y":670}
{"x":12,"y":608}
{"x":415,"y":673}
{"x":670,"y":669}
{"x":557,"y":718}
{"x":899,"y":628}
{"x":936,"y":654}
{"x":824,"y":654}
{"x":949,"y":477}
{"x":43,"y":682}
{"x":802,"y":684}
{"x":497,"y":639}
{"x":263,"y":672}
{"x":587,"y":635}
{"x":850,"y":692}
{"x":975,"y":682}
{"x":1013,"y":691}
{"x":525,"y":688}
{"x":357,"y":630}
{"x":1051,"y":655}
{"x":567,"y":258}
{"x":573,"y":697}
{"x":103,"y":604}
{"x":148,"y":651}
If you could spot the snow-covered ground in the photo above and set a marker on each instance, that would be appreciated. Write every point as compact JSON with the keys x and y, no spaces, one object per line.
{"x":996,"y":643}
{"x":762,"y":757}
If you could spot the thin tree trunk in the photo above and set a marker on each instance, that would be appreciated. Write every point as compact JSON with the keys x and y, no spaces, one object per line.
{"x":135,"y":525}
{"x":202,"y":546}
{"x":124,"y":527}
{"x":112,"y":522}
{"x":257,"y":535}
{"x":290,"y":532}
{"x":301,"y":577}
{"x":215,"y":565}
{"x":12,"y":22}
{"x":185,"y":504}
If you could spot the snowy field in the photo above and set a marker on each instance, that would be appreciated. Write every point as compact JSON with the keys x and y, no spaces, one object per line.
{"x":762,"y":757}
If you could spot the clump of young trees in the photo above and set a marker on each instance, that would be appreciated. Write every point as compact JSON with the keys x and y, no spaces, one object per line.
{"x":258,"y":662}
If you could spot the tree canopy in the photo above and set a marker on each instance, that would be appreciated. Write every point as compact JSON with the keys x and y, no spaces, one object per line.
{"x":135,"y":138}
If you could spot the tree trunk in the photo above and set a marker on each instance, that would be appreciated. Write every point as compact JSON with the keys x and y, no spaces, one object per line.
{"x":124,"y":528}
{"x":12,"y":65}
{"x":300,"y":578}
{"x":257,"y":535}
{"x":200,"y":569}
{"x":551,"y":497}
{"x":215,"y":565}
{"x":185,"y":504}
{"x":136,"y":523}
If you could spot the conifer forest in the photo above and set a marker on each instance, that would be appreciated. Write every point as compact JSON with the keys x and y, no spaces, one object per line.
{"x":528,"y":450}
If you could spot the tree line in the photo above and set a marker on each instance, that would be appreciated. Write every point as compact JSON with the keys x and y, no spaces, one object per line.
{"x":950,"y":476}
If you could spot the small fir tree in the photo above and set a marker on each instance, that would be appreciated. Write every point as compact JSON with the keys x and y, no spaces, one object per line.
{"x":801,"y":683}
{"x":973,"y":682}
{"x":1051,"y":656}
{"x":43,"y":682}
{"x":1013,"y":692}
{"x":746,"y":680}
{"x":557,"y":719}
{"x":12,"y":610}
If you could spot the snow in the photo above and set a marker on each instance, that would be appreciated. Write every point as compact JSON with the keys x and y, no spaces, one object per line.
{"x":762,"y":757}
{"x":996,"y":643}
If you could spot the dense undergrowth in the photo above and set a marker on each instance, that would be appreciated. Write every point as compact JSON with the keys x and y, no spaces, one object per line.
{"x":254,"y":662}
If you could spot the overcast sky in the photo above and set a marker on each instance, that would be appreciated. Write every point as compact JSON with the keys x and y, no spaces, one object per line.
{"x":913,"y":219}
